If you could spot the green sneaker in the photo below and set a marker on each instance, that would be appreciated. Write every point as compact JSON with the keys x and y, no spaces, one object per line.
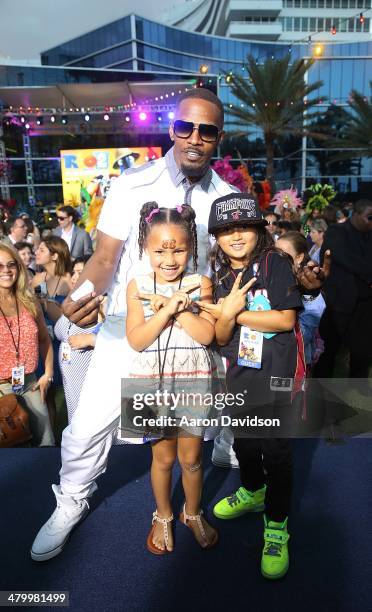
{"x":239,"y":503}
{"x":275,"y":561}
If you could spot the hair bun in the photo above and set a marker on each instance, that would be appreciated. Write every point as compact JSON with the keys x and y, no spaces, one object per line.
{"x":188,"y":212}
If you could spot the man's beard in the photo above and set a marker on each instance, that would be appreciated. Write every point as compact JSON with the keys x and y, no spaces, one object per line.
{"x":193,"y":172}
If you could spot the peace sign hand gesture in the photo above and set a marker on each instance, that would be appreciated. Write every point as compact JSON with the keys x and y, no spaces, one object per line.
{"x":235,"y":301}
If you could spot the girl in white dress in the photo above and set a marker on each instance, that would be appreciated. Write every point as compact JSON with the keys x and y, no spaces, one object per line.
{"x":170,"y":338}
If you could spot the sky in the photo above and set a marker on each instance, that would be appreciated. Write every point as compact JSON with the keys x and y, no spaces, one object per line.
{"x":31,"y":26}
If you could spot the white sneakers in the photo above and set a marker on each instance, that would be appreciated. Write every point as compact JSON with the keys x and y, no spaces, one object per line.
{"x":54,"y":534}
{"x":223,"y":453}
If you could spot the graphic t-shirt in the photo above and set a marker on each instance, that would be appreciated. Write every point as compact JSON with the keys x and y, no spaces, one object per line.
{"x":279,"y":354}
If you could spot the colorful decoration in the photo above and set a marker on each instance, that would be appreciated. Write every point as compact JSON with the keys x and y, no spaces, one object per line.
{"x":241,"y":179}
{"x":93,"y":213}
{"x":318,"y":197}
{"x":246,"y":176}
{"x":91,"y":171}
{"x":286,"y":199}
{"x":234,"y":177}
{"x":265,"y":196}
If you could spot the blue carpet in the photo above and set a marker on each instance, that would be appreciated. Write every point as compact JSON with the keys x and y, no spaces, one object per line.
{"x":106,"y":566}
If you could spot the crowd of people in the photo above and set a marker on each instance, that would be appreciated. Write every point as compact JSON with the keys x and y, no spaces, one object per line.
{"x":189,"y":276}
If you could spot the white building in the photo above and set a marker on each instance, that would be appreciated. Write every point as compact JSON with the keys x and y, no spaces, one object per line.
{"x":273,"y":20}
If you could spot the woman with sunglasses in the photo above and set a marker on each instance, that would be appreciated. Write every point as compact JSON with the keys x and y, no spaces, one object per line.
{"x":272,"y":224}
{"x":23,"y":336}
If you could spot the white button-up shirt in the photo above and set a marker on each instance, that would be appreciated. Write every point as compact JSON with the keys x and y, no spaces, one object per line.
{"x":160,"y":181}
{"x":67,"y":236}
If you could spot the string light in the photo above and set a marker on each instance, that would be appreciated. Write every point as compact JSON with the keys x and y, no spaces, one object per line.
{"x":97,"y":109}
{"x":359,"y":16}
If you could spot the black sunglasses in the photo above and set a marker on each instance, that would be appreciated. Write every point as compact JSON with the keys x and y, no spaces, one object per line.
{"x":369,"y":218}
{"x":272,"y":223}
{"x":207,"y":131}
{"x":61,"y":218}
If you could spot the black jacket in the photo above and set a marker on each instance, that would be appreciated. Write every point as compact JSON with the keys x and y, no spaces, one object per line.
{"x":351,"y":266}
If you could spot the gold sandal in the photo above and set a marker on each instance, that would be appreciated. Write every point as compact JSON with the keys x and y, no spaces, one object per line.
{"x":150,"y":544}
{"x":197,"y":517}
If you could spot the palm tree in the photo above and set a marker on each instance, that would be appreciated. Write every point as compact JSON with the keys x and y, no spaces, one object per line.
{"x":275,"y":98}
{"x":335,"y":125}
{"x":357,"y":130}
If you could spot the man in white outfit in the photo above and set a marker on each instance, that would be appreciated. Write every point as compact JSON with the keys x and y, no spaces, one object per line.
{"x":182,"y":176}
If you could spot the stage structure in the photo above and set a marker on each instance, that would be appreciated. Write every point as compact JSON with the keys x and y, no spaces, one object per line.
{"x":114,"y":87}
{"x":128,"y":112}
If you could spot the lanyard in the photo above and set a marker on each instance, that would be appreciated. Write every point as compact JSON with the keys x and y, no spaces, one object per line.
{"x":16,"y":346}
{"x":162,"y":365}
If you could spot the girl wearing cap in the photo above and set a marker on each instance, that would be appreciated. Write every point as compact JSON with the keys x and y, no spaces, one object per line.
{"x":255,"y":329}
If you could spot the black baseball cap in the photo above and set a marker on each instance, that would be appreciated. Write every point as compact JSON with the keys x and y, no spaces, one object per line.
{"x":234,"y":209}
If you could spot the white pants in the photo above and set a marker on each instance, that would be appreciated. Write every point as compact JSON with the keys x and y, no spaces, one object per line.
{"x":86,"y":441}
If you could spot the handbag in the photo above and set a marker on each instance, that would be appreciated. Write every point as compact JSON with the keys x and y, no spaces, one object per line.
{"x":14,"y":422}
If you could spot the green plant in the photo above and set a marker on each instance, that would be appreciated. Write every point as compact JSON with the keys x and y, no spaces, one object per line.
{"x":275,"y":98}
